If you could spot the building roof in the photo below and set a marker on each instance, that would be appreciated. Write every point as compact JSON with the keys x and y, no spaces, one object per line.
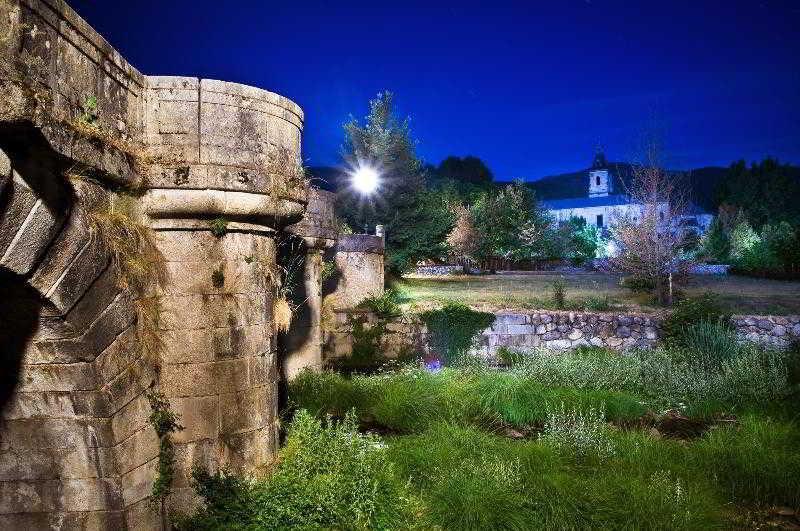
{"x":584,"y":202}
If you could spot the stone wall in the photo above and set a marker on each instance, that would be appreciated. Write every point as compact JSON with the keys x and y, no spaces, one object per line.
{"x":359,"y":263}
{"x":777,"y":331}
{"x":552,"y":330}
{"x":76,"y":448}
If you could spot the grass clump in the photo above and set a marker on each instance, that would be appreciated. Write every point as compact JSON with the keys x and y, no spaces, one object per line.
{"x":328,"y":476}
{"x":138,"y":263}
{"x":578,"y":433}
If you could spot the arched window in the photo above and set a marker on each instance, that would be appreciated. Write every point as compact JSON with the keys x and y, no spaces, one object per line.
{"x":597,"y":180}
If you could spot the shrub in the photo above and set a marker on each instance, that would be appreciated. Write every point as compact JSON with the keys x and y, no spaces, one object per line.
{"x":705,"y":308}
{"x":218,"y":226}
{"x":578,"y":433}
{"x":599,"y":303}
{"x":453,"y":329}
{"x":328,"y":476}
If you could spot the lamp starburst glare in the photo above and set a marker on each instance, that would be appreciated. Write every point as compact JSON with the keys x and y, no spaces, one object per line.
{"x":365,"y":180}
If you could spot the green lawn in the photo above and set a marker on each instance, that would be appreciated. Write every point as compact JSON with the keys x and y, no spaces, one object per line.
{"x":741,"y":295}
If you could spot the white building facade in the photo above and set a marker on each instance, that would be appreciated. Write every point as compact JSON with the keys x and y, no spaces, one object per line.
{"x":602,"y":206}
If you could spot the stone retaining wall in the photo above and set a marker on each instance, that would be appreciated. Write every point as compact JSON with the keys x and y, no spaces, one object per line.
{"x":778,"y":331}
{"x":553,"y":330}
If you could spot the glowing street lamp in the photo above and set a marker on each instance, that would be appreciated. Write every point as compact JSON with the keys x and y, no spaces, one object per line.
{"x":365,"y":180}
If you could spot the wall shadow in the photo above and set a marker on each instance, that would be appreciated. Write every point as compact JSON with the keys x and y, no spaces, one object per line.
{"x":20,"y":309}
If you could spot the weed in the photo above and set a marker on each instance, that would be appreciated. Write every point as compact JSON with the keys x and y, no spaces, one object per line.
{"x":165,"y":423}
{"x":385,"y":305}
{"x":219,"y":227}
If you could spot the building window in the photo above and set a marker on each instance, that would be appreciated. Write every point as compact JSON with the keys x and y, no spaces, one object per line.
{"x":597,"y":180}
{"x":599,"y":220}
{"x":661,"y":216}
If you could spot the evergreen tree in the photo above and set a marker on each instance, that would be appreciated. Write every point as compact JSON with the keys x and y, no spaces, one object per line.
{"x":415,"y":221}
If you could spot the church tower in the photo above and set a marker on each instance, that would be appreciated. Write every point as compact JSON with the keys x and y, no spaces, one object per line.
{"x":600,"y":184}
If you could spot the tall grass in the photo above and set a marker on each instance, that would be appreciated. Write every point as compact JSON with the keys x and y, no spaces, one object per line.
{"x":328,"y":477}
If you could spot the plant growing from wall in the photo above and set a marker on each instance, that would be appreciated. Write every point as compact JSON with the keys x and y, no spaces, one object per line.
{"x":453,"y":328}
{"x":219,"y":227}
{"x":165,"y":422}
{"x":89,"y":107}
{"x":138,"y":263}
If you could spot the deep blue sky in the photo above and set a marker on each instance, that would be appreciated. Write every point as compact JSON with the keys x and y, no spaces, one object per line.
{"x":530,"y":88}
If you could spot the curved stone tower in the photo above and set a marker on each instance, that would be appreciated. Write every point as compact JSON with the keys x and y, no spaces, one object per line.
{"x":206,"y":169}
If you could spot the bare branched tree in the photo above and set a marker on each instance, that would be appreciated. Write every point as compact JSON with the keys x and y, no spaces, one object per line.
{"x":463,"y":239}
{"x":650,"y":238}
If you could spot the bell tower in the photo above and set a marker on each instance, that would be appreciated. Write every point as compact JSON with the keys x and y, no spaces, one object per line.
{"x":600,"y":184}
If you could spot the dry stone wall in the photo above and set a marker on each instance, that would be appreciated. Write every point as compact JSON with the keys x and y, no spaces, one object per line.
{"x":551,"y":330}
{"x":79,"y":129}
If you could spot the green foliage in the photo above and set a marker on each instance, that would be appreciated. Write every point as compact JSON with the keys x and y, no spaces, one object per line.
{"x":219,"y":227}
{"x":774,"y":253}
{"x":710,"y":342}
{"x":743,"y":241}
{"x":328,"y":270}
{"x":559,"y":290}
{"x":412,"y":399}
{"x":385,"y":305}
{"x":579,"y":472}
{"x":88,"y":111}
{"x":689,"y":311}
{"x":366,"y":352}
{"x":767,"y":191}
{"x":716,"y":242}
{"x":453,"y":328}
{"x":512,"y":225}
{"x":327,"y":477}
{"x":577,"y":241}
{"x":598,"y":303}
{"x":755,"y":462}
{"x":638,"y":284}
{"x":164,"y":422}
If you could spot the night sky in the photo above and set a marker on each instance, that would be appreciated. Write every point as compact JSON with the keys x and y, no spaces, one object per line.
{"x":531,"y":88}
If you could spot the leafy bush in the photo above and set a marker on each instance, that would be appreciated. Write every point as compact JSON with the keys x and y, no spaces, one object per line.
{"x":453,"y":328}
{"x":578,"y":433}
{"x":690,"y":311}
{"x":327,"y":477}
{"x":599,"y":303}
